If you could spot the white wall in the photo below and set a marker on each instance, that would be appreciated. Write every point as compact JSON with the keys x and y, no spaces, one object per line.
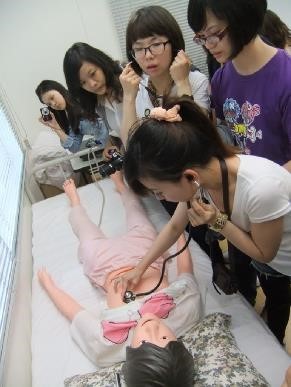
{"x":34,"y":36}
{"x":282,"y":8}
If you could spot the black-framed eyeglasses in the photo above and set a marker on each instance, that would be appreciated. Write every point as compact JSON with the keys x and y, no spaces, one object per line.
{"x":211,"y":39}
{"x":155,"y":49}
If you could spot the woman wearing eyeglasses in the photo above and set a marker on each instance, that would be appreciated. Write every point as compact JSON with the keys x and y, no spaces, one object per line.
{"x":158,"y":68}
{"x":252,"y":94}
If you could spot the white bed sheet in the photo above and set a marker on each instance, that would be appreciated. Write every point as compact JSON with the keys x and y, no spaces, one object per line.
{"x":54,"y":354}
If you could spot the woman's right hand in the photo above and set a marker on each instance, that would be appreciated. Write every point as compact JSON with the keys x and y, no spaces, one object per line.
{"x":53,"y":124}
{"x":129,"y":280}
{"x":106,"y":152}
{"x":129,"y":81}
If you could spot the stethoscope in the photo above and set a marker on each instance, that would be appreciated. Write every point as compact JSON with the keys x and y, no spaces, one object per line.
{"x":130,"y":296}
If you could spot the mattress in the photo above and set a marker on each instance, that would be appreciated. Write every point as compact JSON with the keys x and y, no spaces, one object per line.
{"x":54,"y":354}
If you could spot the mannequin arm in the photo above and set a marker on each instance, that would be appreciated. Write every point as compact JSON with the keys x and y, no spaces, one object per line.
{"x":63,"y":301}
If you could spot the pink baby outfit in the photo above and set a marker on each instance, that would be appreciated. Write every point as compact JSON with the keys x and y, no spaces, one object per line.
{"x":101,"y":255}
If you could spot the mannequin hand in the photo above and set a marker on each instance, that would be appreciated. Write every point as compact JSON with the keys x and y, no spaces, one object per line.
{"x":129,"y":81}
{"x":115,"y":294}
{"x":201,"y":213}
{"x":129,"y":280}
{"x":45,"y":279}
{"x":180,"y":68}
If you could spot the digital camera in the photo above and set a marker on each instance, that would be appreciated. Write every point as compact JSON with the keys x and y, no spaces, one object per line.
{"x":113,"y":165}
{"x":46,"y":114}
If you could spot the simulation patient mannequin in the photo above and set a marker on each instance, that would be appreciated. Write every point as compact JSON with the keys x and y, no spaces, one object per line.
{"x":103,"y":335}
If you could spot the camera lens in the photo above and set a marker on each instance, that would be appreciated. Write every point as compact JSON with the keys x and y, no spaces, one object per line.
{"x":106,"y":169}
{"x":115,"y":164}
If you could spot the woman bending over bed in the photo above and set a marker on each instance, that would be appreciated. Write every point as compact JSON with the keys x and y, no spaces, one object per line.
{"x":187,"y":161}
{"x":104,"y":335}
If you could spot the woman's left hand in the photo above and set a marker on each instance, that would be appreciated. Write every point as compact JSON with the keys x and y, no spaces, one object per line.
{"x":201,"y":213}
{"x":180,"y":68}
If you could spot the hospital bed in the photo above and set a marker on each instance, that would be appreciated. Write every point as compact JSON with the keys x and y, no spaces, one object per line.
{"x":54,"y":356}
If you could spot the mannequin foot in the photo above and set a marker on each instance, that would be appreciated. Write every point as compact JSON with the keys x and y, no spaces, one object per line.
{"x":71,"y":192}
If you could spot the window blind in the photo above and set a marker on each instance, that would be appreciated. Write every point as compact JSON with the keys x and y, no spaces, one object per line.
{"x":121,"y":11}
{"x":11,"y":175}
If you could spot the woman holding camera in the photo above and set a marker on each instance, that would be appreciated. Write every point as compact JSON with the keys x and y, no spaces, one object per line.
{"x":67,"y":119}
{"x":93,"y":79}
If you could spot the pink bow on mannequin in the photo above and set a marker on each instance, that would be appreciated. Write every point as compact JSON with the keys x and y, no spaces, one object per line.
{"x":117,"y":332}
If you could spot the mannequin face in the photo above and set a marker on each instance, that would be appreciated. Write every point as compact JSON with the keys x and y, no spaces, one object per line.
{"x":151,"y":63}
{"x":92,"y":79}
{"x":54,"y":99}
{"x":152,"y":329}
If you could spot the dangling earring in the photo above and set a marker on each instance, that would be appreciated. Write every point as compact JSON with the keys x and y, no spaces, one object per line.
{"x":196,"y":183}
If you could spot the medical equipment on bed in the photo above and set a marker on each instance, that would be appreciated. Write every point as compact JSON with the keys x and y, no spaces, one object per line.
{"x":130,"y":296}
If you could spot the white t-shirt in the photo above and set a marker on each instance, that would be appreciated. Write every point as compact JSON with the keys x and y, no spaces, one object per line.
{"x":263,"y":193}
{"x":113,"y":115}
{"x":199,"y":86}
{"x":87,"y":329}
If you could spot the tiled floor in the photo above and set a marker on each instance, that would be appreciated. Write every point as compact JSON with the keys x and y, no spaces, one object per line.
{"x":259,"y":306}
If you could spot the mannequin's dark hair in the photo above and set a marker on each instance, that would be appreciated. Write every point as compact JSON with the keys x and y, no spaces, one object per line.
{"x":163,"y":150}
{"x":73,"y":60}
{"x":243,"y":18}
{"x":153,"y":366}
{"x":73,"y":109}
{"x":149,"y":21}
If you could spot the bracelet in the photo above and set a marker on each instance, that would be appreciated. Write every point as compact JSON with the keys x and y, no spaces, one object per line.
{"x":187,"y":97}
{"x":219,"y":223}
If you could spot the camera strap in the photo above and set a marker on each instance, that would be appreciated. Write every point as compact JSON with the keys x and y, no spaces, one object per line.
{"x":223,"y":277}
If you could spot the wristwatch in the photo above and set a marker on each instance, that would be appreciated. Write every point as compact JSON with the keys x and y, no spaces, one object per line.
{"x":219,"y":223}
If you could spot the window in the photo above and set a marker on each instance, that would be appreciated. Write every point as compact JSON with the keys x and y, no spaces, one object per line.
{"x":11,"y":176}
{"x":121,"y":11}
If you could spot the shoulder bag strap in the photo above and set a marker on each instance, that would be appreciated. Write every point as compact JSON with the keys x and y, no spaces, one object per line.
{"x":225,"y":187}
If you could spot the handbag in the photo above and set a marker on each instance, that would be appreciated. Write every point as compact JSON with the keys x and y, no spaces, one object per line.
{"x":222,"y":277}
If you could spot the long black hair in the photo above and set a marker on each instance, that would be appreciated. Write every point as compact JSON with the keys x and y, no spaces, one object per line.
{"x":163,"y":150}
{"x":73,"y":109}
{"x":74,"y":58}
{"x":275,"y":30}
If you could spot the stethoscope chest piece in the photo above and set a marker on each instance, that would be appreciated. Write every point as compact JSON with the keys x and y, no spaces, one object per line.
{"x":128,"y":296}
